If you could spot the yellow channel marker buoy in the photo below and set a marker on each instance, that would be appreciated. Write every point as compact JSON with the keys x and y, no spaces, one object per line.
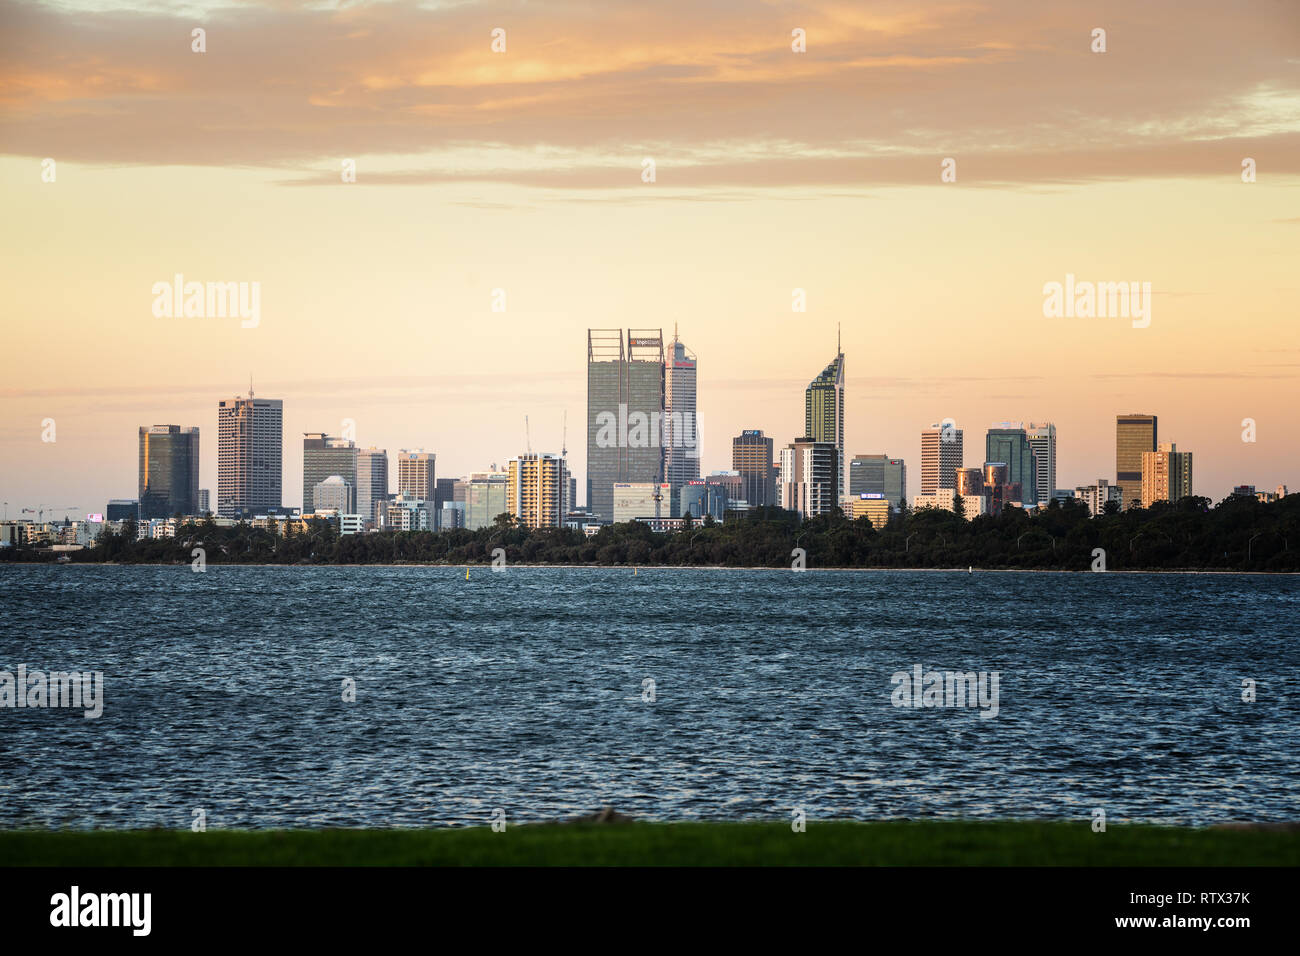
{"x":466,"y":573}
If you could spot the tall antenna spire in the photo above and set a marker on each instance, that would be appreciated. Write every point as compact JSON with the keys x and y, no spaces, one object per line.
{"x":250,"y":385}
{"x":839,"y":348}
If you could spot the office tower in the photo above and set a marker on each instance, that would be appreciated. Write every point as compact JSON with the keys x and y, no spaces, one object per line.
{"x":122,"y":509}
{"x":810,"y":481}
{"x":1009,"y":443}
{"x":729,"y":483}
{"x":444,"y":491}
{"x":250,"y":446}
{"x":535,"y":490}
{"x":323,"y":456}
{"x":640,"y":499}
{"x":335,"y":493}
{"x":625,"y":406}
{"x":878,"y":475}
{"x":996,"y":488}
{"x":1243,"y":491}
{"x":681,"y":436}
{"x":415,"y":474}
{"x":1166,"y":474}
{"x":570,"y":492}
{"x":704,"y":497}
{"x":205,"y":501}
{"x":486,"y":497}
{"x":970,"y":481}
{"x":372,"y":480}
{"x":824,"y":414}
{"x":169,"y":471}
{"x":1042,"y":442}
{"x":942,"y":453}
{"x":1097,"y":496}
{"x":751,"y":456}
{"x":451,"y":516}
{"x":1135,"y":435}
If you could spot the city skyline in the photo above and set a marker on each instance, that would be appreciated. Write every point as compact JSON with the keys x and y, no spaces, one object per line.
{"x":490,"y":246}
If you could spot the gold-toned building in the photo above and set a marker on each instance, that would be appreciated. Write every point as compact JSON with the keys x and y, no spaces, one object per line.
{"x":1135,"y":436}
{"x":875,"y":507}
{"x":1166,"y":475}
{"x":535,"y":490}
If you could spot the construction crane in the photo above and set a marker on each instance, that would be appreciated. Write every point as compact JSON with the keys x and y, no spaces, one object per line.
{"x":40,"y":510}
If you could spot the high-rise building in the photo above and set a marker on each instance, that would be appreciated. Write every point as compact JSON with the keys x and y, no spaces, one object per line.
{"x":942,"y":453}
{"x":625,"y":407}
{"x":1042,"y":442}
{"x":681,"y":435}
{"x":445,"y":491}
{"x":372,"y":480}
{"x":205,"y":501}
{"x":535,"y":490}
{"x":970,"y":481}
{"x":1135,"y":435}
{"x":1166,"y":474}
{"x":878,"y":475}
{"x":323,"y":456}
{"x":751,"y":456}
{"x":335,"y":493}
{"x":486,"y":497}
{"x":1008,"y":442}
{"x":169,"y":471}
{"x":415,"y":474}
{"x":250,"y":449}
{"x":641,"y":499}
{"x":810,"y":480}
{"x":824,"y":414}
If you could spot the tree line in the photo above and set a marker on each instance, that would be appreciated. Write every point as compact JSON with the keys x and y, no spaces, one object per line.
{"x":1237,"y":534}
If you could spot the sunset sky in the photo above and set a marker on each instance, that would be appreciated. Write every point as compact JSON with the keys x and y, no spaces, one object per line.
{"x":522,"y":171}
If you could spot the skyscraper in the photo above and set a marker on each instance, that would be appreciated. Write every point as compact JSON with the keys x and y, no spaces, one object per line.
{"x":335,"y":493}
{"x":169,"y":471}
{"x":250,"y":448}
{"x":810,"y":481}
{"x":625,"y":407}
{"x":1135,"y":435}
{"x":415,"y":474}
{"x":681,"y":426}
{"x":372,"y":480}
{"x":878,"y":475}
{"x":1042,"y":441}
{"x":1009,"y":442}
{"x":751,"y":455}
{"x":486,"y":498}
{"x":535,"y":490}
{"x":942,"y":453}
{"x":322,"y":457}
{"x":1166,"y":474}
{"x":824,"y":414}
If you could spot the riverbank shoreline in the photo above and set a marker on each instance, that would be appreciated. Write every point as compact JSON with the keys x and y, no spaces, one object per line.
{"x":774,"y":843}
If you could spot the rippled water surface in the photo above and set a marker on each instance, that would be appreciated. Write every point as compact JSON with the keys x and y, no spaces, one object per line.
{"x":524,"y":690}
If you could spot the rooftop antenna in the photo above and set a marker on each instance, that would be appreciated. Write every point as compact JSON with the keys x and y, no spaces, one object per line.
{"x":564,"y":441}
{"x":528,"y":441}
{"x":250,"y":386}
{"x":839,"y":348}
